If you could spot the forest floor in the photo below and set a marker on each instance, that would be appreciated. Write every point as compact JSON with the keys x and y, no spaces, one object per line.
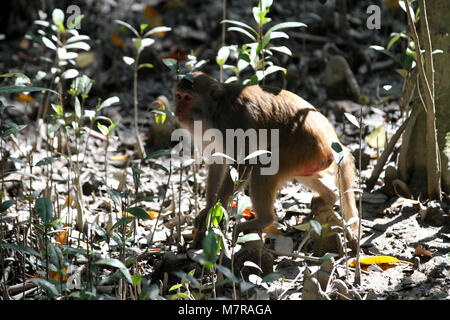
{"x":392,"y":225}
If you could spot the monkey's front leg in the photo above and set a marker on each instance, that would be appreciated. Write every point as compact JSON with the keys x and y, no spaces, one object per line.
{"x":262,"y":193}
{"x":219,"y":186}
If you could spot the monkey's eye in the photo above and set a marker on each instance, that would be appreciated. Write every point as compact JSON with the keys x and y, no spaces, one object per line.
{"x":187,"y":98}
{"x":178,"y":96}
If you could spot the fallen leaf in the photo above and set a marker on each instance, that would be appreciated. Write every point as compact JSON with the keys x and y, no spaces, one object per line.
{"x":384,"y":262}
{"x":272,"y":230}
{"x":116,"y":40}
{"x":422,"y":252}
{"x":120,"y":157}
{"x":22,"y":97}
{"x":152,"y":214}
{"x":248,"y":214}
{"x":377,"y":138}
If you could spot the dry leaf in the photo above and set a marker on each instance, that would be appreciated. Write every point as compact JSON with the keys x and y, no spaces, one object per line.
{"x":120,"y":157}
{"x":272,"y":230}
{"x":153,"y":19}
{"x":61,"y":237}
{"x":85,"y":58}
{"x":422,"y":252}
{"x":152,"y":214}
{"x":69,"y":201}
{"x":384,"y":262}
{"x":55,"y":276}
{"x":116,"y":40}
{"x":377,"y":138}
{"x":22,"y":97}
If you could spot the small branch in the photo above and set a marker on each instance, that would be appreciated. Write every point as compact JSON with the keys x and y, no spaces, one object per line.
{"x":386,"y":152}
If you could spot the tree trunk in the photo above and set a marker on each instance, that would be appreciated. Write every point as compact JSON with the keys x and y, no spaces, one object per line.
{"x":413,"y":152}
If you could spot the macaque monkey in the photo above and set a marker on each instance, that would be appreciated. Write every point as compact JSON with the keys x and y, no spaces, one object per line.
{"x":304,"y":145}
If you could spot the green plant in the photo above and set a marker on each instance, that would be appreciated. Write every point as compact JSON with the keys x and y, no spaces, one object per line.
{"x":258,"y":52}
{"x":141,"y":42}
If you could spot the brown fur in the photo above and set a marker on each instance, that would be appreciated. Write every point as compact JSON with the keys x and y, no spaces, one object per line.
{"x":304,"y":145}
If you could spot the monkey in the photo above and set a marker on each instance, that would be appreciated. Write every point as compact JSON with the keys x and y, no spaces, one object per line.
{"x":304,"y":146}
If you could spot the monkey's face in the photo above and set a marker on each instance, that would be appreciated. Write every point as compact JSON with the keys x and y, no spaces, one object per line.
{"x":196,"y":100}
{"x":184,"y":102}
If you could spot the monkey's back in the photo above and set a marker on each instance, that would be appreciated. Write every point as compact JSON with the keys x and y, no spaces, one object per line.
{"x":297,"y":120}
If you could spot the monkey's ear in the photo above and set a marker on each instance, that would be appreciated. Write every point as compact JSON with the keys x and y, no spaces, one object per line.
{"x":215,"y":90}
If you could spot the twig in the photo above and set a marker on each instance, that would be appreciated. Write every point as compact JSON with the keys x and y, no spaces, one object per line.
{"x":386,"y":152}
{"x":294,"y":255}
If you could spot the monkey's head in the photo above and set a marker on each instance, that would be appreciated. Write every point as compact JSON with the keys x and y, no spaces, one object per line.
{"x":194,"y":100}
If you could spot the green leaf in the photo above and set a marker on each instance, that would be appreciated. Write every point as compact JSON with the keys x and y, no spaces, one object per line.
{"x":12,"y":130}
{"x":21,"y":248}
{"x":103,"y":129}
{"x":111,"y":262}
{"x":249,"y":237}
{"x":138,"y":213}
{"x":115,"y":196}
{"x":6,"y":205}
{"x":121,"y":222}
{"x":175,"y":287}
{"x":187,"y":277}
{"x":58,"y":18}
{"x":282,"y":49}
{"x":45,"y":161}
{"x":215,"y":215}
{"x":393,"y":40}
{"x":81,"y":85}
{"x":222,"y":55}
{"x":327,"y":256}
{"x":243,"y":31}
{"x":303,"y":227}
{"x":136,"y":179}
{"x":386,"y":52}
{"x":16,"y":75}
{"x":210,"y":246}
{"x":271,"y":277}
{"x":18,"y":89}
{"x":129,"y":27}
{"x":46,"y":285}
{"x":158,"y":153}
{"x":170,"y":63}
{"x":145,"y":65}
{"x":316,"y":226}
{"x":240,"y":24}
{"x":116,"y":264}
{"x":44,"y":208}
{"x":157,"y":30}
{"x":283,"y":25}
{"x":338,"y":152}
{"x":108,"y":102}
